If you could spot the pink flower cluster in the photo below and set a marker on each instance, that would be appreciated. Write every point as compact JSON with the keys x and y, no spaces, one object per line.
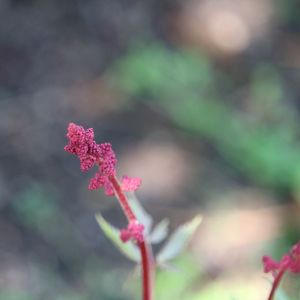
{"x":82,"y":144}
{"x":130,"y":183}
{"x":134,"y":231}
{"x":289,"y":262}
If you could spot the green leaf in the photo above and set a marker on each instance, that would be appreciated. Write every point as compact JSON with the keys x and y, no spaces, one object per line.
{"x":281,"y":295}
{"x":176,"y":284}
{"x":178,"y":240}
{"x":160,"y":232}
{"x":143,"y":217}
{"x":128,"y":249}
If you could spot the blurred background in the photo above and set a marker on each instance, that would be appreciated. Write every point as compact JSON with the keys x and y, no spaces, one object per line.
{"x":200,"y":98}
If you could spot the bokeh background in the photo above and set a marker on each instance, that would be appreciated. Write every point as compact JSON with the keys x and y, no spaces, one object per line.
{"x":200,"y":98}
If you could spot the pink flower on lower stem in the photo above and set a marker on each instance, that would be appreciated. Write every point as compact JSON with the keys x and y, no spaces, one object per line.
{"x":130,"y":184}
{"x":270,"y":265}
{"x":134,"y":231}
{"x":289,"y":262}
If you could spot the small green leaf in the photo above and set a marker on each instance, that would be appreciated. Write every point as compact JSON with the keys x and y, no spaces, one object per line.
{"x":177,"y":284}
{"x":128,"y":249}
{"x":169,"y":267}
{"x":178,"y":240}
{"x":143,"y":217}
{"x":281,"y":294}
{"x":159,"y":232}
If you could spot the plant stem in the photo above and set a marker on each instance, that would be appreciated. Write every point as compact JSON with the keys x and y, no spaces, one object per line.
{"x":276,"y":283}
{"x":122,"y":199}
{"x":147,"y":269}
{"x":147,"y":261}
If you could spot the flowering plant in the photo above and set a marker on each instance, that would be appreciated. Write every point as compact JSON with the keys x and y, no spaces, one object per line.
{"x":135,"y":240}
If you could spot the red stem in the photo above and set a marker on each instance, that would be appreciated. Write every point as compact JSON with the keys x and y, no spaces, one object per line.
{"x":276,"y":283}
{"x":147,"y":262}
{"x":147,"y":269}
{"x":122,"y":199}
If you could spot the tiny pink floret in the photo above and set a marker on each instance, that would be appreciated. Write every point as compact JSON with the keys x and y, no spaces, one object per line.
{"x":130,"y":184}
{"x":82,"y":144}
{"x":270,"y":265}
{"x":108,"y":164}
{"x":134,"y":231}
{"x":289,"y":262}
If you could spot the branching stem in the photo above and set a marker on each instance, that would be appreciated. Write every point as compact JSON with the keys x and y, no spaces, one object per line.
{"x":147,"y":261}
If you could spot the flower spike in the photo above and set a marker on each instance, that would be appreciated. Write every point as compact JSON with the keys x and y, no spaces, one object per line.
{"x":82,"y":144}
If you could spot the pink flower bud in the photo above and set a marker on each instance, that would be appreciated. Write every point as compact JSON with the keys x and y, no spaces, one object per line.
{"x":134,"y":231}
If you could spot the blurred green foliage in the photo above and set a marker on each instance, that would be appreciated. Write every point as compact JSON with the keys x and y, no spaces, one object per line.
{"x":14,"y":295}
{"x":176,"y":284}
{"x":258,"y":135}
{"x":38,"y":210}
